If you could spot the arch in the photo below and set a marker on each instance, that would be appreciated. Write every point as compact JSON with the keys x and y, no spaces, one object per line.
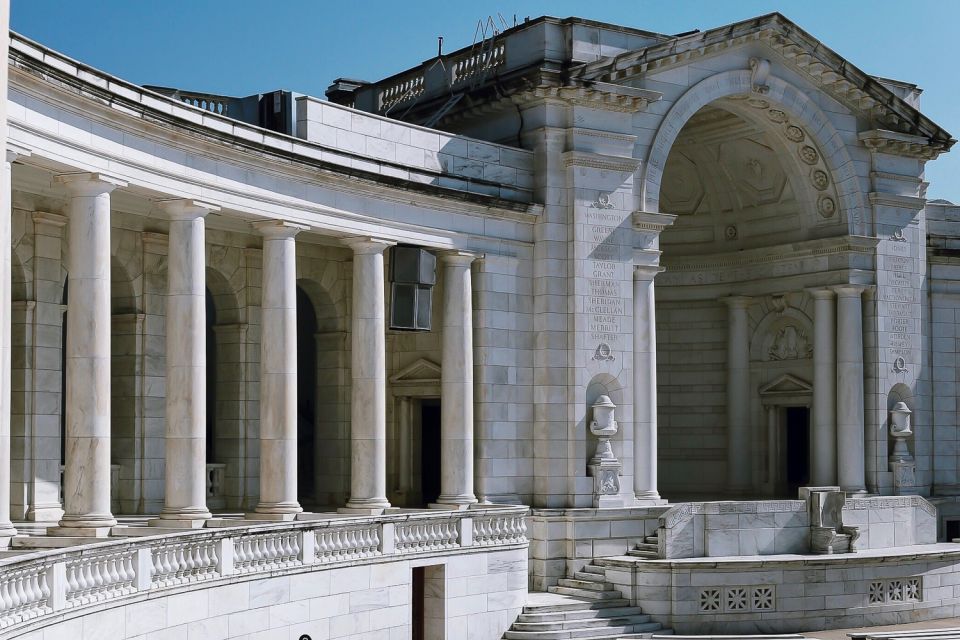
{"x":226,"y":406}
{"x":328,"y":446}
{"x":794,"y":102}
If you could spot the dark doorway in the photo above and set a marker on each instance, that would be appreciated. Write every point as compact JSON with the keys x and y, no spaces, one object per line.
{"x":306,"y":394}
{"x":430,"y":450}
{"x":416,"y":601}
{"x":798,"y":448}
{"x":211,"y":335}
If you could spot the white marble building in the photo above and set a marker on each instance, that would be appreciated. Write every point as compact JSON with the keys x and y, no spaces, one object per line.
{"x":316,"y":318}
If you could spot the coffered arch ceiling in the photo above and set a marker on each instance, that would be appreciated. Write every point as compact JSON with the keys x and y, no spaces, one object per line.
{"x":741,"y":175}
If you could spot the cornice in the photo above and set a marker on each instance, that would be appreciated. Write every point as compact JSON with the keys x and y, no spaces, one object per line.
{"x":899,"y":144}
{"x":603,"y":96}
{"x":878,"y":198}
{"x":651,"y":221}
{"x":773,"y":254}
{"x":599,"y":161}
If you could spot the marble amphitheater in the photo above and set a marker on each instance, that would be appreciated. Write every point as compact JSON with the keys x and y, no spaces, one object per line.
{"x":581,"y":331}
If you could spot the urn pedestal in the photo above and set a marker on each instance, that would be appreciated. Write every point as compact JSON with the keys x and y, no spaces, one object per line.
{"x":604,"y":466}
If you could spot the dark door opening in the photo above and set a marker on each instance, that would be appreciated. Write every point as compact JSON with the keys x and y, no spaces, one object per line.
{"x":417,"y":622}
{"x":306,"y":396}
{"x":211,"y":381}
{"x":430,"y":450}
{"x":798,"y":448}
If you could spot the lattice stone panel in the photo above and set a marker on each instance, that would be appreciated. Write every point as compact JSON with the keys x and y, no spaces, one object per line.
{"x":738,"y":599}
{"x":895,"y":591}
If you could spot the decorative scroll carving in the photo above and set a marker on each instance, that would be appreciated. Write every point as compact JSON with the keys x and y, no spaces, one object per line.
{"x":759,"y":71}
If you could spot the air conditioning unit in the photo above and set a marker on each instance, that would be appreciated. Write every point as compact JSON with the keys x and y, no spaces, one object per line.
{"x":413,"y":272}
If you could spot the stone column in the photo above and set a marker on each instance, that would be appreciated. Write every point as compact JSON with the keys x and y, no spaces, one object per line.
{"x":823,"y":456}
{"x":86,"y":499}
{"x":456,"y":383}
{"x":644,"y":385}
{"x":368,"y":394}
{"x":851,"y":470}
{"x":278,"y":373}
{"x":6,"y":319}
{"x":738,"y":395}
{"x":185,"y":497}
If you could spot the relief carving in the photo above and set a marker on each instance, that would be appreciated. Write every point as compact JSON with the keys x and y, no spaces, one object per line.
{"x":791,"y":343}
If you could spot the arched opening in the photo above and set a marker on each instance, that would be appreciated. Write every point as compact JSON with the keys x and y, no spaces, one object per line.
{"x":126,"y":406}
{"x":229,"y":462}
{"x":306,"y":397}
{"x":748,"y":185}
{"x":323,"y":369}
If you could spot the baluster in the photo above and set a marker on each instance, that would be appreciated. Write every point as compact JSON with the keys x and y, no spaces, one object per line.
{"x":337,"y":543}
{"x":17,"y":592}
{"x":5,"y":599}
{"x":115,"y":577}
{"x":321,"y":544}
{"x":203,"y":559}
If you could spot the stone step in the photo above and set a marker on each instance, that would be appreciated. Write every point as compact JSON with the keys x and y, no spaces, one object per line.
{"x":643,"y":546}
{"x":592,"y":568}
{"x":590,"y":577}
{"x":587,"y":593}
{"x":581,"y":614}
{"x":602,"y":633}
{"x":654,"y":539}
{"x":592,"y":585}
{"x":584,"y":623}
{"x":580,"y":605}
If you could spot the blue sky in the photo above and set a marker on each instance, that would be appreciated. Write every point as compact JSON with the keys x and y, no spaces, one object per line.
{"x":248,"y":46}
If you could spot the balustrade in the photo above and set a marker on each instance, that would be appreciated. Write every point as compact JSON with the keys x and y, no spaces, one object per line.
{"x":479,"y":63}
{"x":406,"y":89}
{"x":48,"y":582}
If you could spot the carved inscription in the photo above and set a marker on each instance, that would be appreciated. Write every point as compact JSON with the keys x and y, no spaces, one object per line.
{"x":604,"y":304}
{"x":897,"y":296}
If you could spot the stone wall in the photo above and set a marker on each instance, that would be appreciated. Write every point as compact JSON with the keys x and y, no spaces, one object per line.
{"x":562,"y":541}
{"x":778,"y":596}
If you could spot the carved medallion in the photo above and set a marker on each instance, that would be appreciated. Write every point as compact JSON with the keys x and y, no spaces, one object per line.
{"x":730,"y":233}
{"x":602,"y":202}
{"x":897,"y":236}
{"x":826,"y":206}
{"x":900,"y":366}
{"x":820,"y":179}
{"x":808,"y":154}
{"x":609,"y":482}
{"x":758,"y":103}
{"x":776,"y":115}
{"x":795,"y":133}
{"x":602,"y":353}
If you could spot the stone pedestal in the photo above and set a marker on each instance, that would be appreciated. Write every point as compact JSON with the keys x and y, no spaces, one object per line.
{"x":604,"y":466}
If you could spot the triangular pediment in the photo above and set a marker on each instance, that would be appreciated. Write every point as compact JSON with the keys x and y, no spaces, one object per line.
{"x":420,"y":371}
{"x":786,"y":384}
{"x":867,"y":95}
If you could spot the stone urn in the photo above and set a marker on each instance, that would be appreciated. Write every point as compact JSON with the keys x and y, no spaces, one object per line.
{"x":604,"y":426}
{"x":902,"y":464}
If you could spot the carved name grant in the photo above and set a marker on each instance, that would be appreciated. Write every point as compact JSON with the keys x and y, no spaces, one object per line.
{"x":604,"y":306}
{"x":897,"y":297}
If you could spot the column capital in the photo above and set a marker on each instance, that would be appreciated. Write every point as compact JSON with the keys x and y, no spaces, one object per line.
{"x":48,"y":218}
{"x":278,"y":228}
{"x":89,"y":184}
{"x":647,"y":271}
{"x":368,"y":244}
{"x":851,"y":290}
{"x":15,"y":151}
{"x":821,"y":293}
{"x":456,"y":257}
{"x":737,"y":302}
{"x":186,"y":208}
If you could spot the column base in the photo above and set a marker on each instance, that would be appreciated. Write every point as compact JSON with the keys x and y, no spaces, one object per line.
{"x":650,"y":499}
{"x":365,"y":506}
{"x":272,"y":517}
{"x":454,"y":502}
{"x":178,"y":523}
{"x":446,"y":506}
{"x":45,"y":513}
{"x":361,"y":511}
{"x":80,"y":532}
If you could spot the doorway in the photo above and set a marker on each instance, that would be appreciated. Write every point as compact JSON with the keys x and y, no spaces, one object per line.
{"x":428,"y":603}
{"x":797,"y":463}
{"x":430,"y":451}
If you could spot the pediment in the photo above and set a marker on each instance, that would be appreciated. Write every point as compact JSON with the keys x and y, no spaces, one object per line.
{"x":419,"y":372}
{"x":864,"y":94}
{"x":786,"y":385}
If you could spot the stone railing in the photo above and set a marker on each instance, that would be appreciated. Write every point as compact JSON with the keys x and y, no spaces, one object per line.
{"x":58,"y":582}
{"x":216,"y":474}
{"x":479,"y":62}
{"x":407,"y":88}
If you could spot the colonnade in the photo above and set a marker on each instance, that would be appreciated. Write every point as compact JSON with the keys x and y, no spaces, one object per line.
{"x":86,"y":496}
{"x":837,"y":451}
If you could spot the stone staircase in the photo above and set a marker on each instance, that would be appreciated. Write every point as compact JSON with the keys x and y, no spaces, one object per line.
{"x":649,"y":549}
{"x":586,"y":607}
